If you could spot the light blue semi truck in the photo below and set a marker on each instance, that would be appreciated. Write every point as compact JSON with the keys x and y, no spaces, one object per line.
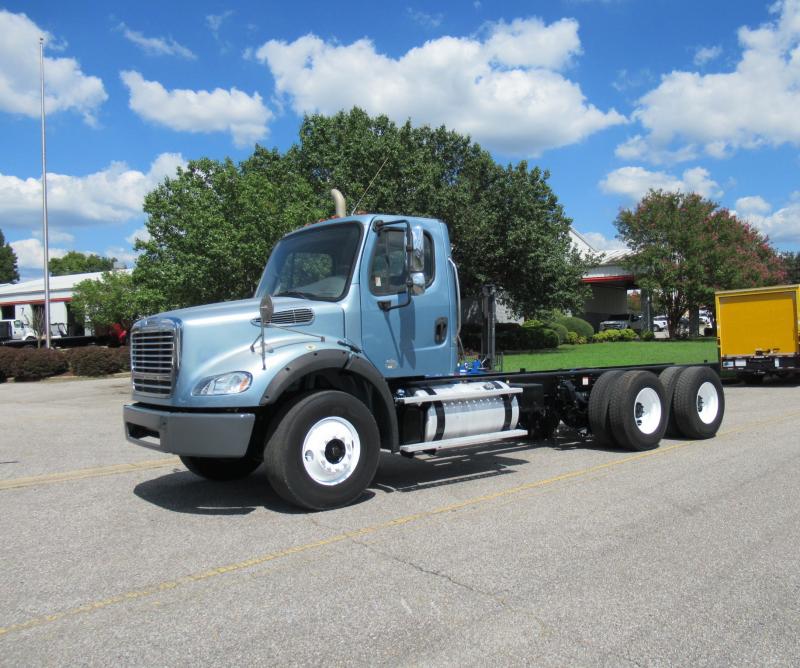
{"x":349,"y":347}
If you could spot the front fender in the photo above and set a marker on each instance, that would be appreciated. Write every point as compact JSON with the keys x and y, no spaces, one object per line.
{"x":346,"y":363}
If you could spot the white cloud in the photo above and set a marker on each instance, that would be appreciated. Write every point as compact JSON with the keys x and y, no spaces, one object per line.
{"x":504,"y":89}
{"x":30,"y":253}
{"x":600,"y":242}
{"x":705,"y":54}
{"x":55,"y":236}
{"x":114,"y":194}
{"x":755,"y":104}
{"x":635,"y":182}
{"x":215,"y":21}
{"x":66,"y":86}
{"x":157,"y":46}
{"x":753,"y":205}
{"x":140,"y":234}
{"x":782,"y":226}
{"x":244,"y":116}
{"x":427,"y":21}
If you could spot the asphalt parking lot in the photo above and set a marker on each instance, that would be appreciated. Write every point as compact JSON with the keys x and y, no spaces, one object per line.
{"x":553,"y":554}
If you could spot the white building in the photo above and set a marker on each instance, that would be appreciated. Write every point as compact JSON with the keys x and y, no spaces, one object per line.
{"x":25,"y":301}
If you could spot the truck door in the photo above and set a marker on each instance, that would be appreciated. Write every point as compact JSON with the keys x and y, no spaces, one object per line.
{"x":412,"y":339}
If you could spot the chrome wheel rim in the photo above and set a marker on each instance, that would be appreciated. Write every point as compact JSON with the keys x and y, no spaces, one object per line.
{"x":707,"y":402}
{"x":331,"y":451}
{"x":647,"y":410}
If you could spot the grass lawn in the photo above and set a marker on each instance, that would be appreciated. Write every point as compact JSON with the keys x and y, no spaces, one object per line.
{"x":614,"y":354}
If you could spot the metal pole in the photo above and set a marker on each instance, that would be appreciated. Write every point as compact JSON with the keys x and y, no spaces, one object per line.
{"x":45,"y":236}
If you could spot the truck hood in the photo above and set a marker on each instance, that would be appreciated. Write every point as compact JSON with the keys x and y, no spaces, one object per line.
{"x":220,"y":338}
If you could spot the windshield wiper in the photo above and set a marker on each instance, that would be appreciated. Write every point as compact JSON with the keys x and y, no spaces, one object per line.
{"x":294,"y":293}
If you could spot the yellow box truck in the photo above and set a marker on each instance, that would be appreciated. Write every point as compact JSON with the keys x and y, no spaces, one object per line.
{"x":758,"y":331}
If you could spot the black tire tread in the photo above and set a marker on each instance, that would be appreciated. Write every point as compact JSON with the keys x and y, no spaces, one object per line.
{"x":688,"y":421}
{"x":219,"y":469}
{"x":626,"y":433}
{"x":669,"y":379}
{"x":599,"y":399}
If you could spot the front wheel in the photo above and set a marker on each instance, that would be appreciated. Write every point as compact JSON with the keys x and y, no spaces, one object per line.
{"x":213,"y":468}
{"x":324,"y":450}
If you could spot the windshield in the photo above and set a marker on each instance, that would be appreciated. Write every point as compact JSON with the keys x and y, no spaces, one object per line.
{"x":313,"y":264}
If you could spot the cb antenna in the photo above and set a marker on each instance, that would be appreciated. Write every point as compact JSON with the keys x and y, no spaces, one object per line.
{"x":369,"y":186}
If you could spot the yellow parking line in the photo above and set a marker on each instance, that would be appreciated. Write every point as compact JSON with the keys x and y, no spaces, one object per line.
{"x":364,"y":531}
{"x":80,"y":474}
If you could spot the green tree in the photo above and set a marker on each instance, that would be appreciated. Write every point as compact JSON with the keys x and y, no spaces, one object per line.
{"x":113,"y":298}
{"x":791,"y":264}
{"x":8,"y":262}
{"x":75,"y":262}
{"x":685,"y":247}
{"x":505,"y":224}
{"x":213,"y":225}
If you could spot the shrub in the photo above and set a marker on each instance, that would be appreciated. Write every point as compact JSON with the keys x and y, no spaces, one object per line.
{"x":123,"y":354}
{"x":559,"y":329}
{"x":33,"y":364}
{"x":93,"y":361}
{"x":610,"y":335}
{"x":7,"y":357}
{"x":577,"y":325}
{"x":537,"y":338}
{"x":511,"y":336}
{"x":647,"y":336}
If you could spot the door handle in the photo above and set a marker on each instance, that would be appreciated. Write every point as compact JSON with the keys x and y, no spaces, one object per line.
{"x":440,"y":330}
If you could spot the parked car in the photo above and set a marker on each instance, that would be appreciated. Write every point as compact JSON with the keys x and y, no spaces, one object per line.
{"x":622,"y":321}
{"x":660,"y":323}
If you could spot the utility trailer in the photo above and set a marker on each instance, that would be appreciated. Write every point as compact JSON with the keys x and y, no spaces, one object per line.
{"x":350,"y":347}
{"x":758,"y":331}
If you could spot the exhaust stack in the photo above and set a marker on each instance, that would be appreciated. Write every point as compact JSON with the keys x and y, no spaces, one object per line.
{"x":339,"y":203}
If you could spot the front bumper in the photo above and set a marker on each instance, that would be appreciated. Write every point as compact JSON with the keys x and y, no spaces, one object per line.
{"x":191,"y":434}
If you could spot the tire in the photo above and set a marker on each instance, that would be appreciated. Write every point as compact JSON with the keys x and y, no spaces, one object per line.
{"x":598,"y":407}
{"x":669,"y":379}
{"x":213,"y":468}
{"x":638,"y":411}
{"x":699,"y":402}
{"x":324,"y":450}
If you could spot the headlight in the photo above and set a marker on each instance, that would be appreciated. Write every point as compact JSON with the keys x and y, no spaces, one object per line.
{"x":227,"y":383}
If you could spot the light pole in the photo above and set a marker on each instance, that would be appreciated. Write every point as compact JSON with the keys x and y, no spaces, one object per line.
{"x":45,"y":237}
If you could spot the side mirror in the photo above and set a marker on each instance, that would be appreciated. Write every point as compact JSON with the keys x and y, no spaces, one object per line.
{"x":416,"y":261}
{"x":265,"y":309}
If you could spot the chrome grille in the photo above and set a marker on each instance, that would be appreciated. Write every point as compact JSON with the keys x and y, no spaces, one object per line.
{"x":297,"y":316}
{"x":154,"y":349}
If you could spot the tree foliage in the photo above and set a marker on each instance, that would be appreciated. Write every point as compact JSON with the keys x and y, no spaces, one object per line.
{"x":685,"y":247}
{"x":8,"y":262}
{"x":75,"y":262}
{"x":213,"y":225}
{"x":113,"y":298}
{"x":791,"y":265}
{"x":505,"y":224}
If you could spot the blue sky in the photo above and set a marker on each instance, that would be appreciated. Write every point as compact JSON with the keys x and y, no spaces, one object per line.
{"x":612,"y":96}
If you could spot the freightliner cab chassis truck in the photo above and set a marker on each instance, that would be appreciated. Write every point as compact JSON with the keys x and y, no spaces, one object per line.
{"x":349,"y":347}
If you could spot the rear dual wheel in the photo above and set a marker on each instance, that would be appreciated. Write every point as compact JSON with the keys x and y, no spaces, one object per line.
{"x":634,"y":409}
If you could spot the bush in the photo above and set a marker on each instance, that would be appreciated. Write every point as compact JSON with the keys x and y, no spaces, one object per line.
{"x":560,"y":330}
{"x":647,"y":336}
{"x":575,"y":339}
{"x":33,"y":364}
{"x":93,"y":361}
{"x":577,"y":325}
{"x":123,"y":354}
{"x":511,"y":336}
{"x":7,"y":357}
{"x":610,"y":335}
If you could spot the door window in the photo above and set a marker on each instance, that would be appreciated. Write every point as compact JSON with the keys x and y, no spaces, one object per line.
{"x":387,"y":274}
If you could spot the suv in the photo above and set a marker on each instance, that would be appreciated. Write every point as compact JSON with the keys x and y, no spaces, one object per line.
{"x":622,"y":321}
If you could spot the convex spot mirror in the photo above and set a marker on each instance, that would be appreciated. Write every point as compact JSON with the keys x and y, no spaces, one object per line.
{"x":265,"y":309}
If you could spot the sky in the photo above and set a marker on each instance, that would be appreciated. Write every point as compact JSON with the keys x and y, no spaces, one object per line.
{"x":613,"y":97}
